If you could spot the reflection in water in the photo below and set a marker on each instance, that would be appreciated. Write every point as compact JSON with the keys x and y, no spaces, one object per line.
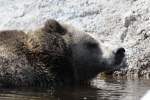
{"x":109,"y":89}
{"x":123,"y":89}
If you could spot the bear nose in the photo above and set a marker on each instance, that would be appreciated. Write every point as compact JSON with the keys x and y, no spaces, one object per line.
{"x":120,"y":54}
{"x":120,"y":51}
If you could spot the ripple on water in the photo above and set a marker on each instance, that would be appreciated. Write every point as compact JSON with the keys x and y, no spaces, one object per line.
{"x":108,"y":89}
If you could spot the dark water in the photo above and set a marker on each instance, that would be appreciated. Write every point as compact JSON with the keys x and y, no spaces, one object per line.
{"x":109,"y":89}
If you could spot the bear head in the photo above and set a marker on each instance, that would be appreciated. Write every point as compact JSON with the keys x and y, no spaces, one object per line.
{"x":77,"y":55}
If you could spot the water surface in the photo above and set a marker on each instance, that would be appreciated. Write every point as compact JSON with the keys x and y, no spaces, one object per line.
{"x":110,"y":89}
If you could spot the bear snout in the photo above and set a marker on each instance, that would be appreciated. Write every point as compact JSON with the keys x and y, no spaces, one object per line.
{"x":119,"y":55}
{"x":120,"y":51}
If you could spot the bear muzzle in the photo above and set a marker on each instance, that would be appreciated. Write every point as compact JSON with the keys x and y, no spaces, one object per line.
{"x":119,"y":55}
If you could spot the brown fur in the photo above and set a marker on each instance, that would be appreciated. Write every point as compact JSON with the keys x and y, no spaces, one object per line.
{"x":52,"y":55}
{"x":42,"y":51}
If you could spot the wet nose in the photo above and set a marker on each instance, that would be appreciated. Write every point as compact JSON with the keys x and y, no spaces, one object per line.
{"x":120,"y":54}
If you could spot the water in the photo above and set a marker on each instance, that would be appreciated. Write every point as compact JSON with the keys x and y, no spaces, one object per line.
{"x":109,"y":89}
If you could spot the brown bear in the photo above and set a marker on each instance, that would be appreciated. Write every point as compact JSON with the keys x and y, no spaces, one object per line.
{"x":55,"y":54}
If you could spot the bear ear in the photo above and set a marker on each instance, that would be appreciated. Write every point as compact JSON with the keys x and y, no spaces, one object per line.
{"x":53,"y":26}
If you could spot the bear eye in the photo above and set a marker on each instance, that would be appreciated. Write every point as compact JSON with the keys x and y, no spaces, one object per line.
{"x":91,"y":45}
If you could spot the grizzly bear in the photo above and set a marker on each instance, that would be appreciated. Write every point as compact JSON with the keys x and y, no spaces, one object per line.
{"x":54,"y":54}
